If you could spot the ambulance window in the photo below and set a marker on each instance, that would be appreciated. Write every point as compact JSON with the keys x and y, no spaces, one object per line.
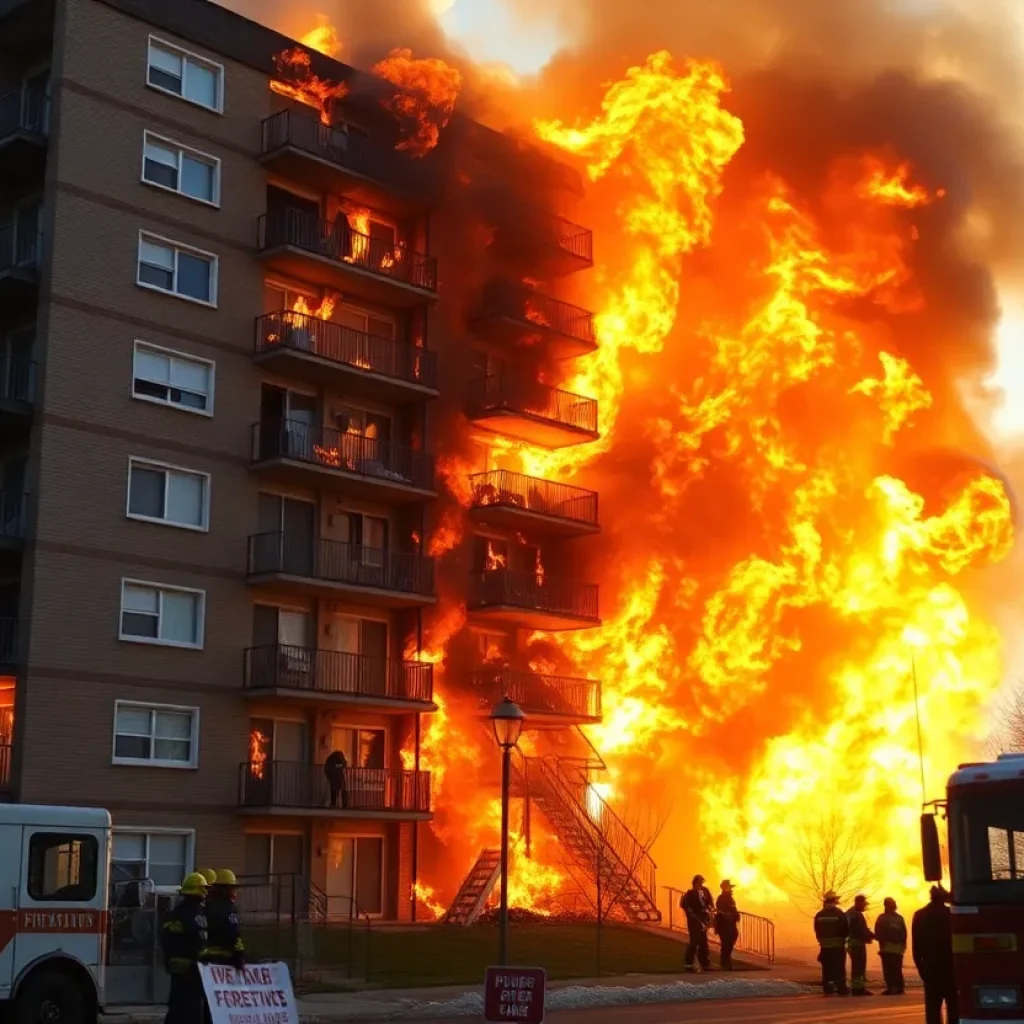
{"x":62,"y":867}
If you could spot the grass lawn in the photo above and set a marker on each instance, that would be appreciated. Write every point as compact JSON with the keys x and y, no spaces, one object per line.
{"x":451,"y":955}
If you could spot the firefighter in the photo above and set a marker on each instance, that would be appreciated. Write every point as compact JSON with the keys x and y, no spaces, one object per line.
{"x":891,"y":933}
{"x":727,"y":923}
{"x":697,"y":904}
{"x":209,"y":874}
{"x":183,"y":939}
{"x":831,"y":929}
{"x":859,"y":939}
{"x":931,"y":933}
{"x":223,"y":928}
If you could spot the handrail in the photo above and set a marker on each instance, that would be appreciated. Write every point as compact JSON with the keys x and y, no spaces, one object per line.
{"x":537,"y":692}
{"x":514,"y":301}
{"x":19,"y":249}
{"x":8,"y":641}
{"x":533,"y":494}
{"x":24,"y":109}
{"x":535,"y":592}
{"x":342,"y":450}
{"x":532,"y":398}
{"x":13,"y":505}
{"x":17,"y":380}
{"x":286,"y":667}
{"x":339,"y":241}
{"x":756,"y":933}
{"x":372,"y":353}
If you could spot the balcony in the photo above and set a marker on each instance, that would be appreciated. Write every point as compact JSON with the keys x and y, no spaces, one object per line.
{"x":24,"y":124}
{"x":330,"y":568}
{"x":333,"y":255}
{"x":17,"y":389}
{"x":21,"y":254}
{"x":514,"y":501}
{"x":13,"y":506}
{"x":532,"y":600}
{"x":9,"y":643}
{"x":332,"y":677}
{"x":556,"y":700}
{"x":297,"y":453}
{"x":301,"y":147}
{"x":543,"y":244}
{"x":293,"y":788}
{"x":325,"y":353}
{"x":516,"y":316}
{"x":531,"y":411}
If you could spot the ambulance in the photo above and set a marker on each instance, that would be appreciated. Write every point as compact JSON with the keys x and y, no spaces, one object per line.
{"x":54,"y":890}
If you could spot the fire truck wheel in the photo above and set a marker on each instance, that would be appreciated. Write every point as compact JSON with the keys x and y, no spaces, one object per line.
{"x":50,"y":998}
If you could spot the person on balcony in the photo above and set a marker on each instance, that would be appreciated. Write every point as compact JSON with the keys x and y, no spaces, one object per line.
{"x":727,"y":923}
{"x":698,"y":906}
{"x":336,"y":769}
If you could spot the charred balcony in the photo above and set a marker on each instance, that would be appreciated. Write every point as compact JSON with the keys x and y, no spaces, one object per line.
{"x":550,"y":699}
{"x":514,"y":315}
{"x":9,"y":643}
{"x":332,"y":254}
{"x":532,"y":600}
{"x":321,"y":352}
{"x":515,"y":501}
{"x":294,"y":563}
{"x":21,"y":253}
{"x":543,"y":243}
{"x":301,"y":147}
{"x":532,"y":411}
{"x":294,"y":788}
{"x":302,"y":674}
{"x":24,"y":126}
{"x":296,"y":452}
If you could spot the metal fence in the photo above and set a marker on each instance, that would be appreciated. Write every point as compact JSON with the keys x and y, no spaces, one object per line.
{"x":757,"y":934}
{"x":532,"y":398}
{"x":533,"y":592}
{"x":518,"y":302}
{"x":502,"y":487}
{"x":538,"y":693}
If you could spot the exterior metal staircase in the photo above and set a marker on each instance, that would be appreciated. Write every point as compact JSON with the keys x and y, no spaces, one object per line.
{"x":477,"y":886}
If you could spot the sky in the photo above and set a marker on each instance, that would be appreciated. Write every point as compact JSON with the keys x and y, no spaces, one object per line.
{"x":490,"y":33}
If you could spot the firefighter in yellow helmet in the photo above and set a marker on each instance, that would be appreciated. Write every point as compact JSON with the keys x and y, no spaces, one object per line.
{"x":209,"y":874}
{"x":223,"y":927}
{"x":831,"y":930}
{"x":891,"y":933}
{"x":183,"y":940}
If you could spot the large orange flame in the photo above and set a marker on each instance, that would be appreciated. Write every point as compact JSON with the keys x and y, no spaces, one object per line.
{"x":298,"y":82}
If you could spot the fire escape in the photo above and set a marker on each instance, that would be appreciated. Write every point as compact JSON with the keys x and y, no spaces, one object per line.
{"x":522,"y":524}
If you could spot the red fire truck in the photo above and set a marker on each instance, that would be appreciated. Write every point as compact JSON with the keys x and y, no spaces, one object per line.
{"x":985,"y":811}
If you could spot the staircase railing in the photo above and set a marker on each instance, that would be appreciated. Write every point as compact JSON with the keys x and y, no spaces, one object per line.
{"x":757,"y":934}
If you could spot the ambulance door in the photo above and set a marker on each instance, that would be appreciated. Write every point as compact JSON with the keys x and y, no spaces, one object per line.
{"x":10,"y":881}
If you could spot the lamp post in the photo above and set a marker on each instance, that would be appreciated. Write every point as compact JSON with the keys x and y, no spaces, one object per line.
{"x":507,"y":722}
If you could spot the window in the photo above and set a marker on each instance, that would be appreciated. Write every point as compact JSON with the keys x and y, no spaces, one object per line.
{"x":156,"y":614}
{"x":62,"y":867}
{"x":177,"y":269}
{"x":172,"y":378}
{"x":365,"y":322}
{"x":168,"y":494}
{"x":185,"y":74}
{"x":170,"y":165}
{"x":274,"y":853}
{"x":155,"y":734}
{"x":162,"y":857}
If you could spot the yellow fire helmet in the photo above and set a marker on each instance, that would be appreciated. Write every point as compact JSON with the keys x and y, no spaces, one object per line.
{"x":226,"y":877}
{"x":209,"y":874}
{"x":193,"y":885}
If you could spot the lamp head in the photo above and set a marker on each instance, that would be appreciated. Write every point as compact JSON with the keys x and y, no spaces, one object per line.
{"x":507,"y":722}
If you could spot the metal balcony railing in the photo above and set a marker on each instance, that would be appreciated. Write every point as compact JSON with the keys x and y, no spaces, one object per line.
{"x":757,"y":934}
{"x":533,"y":591}
{"x":26,"y":110}
{"x":531,"y":398}
{"x":19,"y":249}
{"x":335,"y":562}
{"x":301,"y":332}
{"x":336,"y":146}
{"x":532,"y":494}
{"x":348,"y":453}
{"x":518,"y":302}
{"x":8,"y":641}
{"x":17,"y":380}
{"x":5,"y":766}
{"x":575,"y":239}
{"x":13,"y":505}
{"x":336,"y":240}
{"x":539,"y":693}
{"x":309,"y":787}
{"x":334,"y":673}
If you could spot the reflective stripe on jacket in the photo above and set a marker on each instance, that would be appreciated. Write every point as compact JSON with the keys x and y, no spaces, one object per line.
{"x":860,"y":933}
{"x":831,"y":928}
{"x":223,"y":929}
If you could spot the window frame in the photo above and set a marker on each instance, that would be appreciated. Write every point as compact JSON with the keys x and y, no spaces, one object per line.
{"x":151,"y":830}
{"x":87,"y":839}
{"x":168,"y":468}
{"x":176,"y":248}
{"x":185,"y":55}
{"x":157,"y":641}
{"x":156,"y":762}
{"x":154,"y":138}
{"x":185,"y":357}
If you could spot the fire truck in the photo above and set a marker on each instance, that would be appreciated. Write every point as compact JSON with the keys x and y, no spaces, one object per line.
{"x":984,"y":807}
{"x":54,"y":885}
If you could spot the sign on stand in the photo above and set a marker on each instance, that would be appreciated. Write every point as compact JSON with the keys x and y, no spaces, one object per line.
{"x":513,"y":993}
{"x":260,"y":994}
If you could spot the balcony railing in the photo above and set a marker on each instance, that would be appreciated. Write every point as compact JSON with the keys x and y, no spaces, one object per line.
{"x":575,"y":239}
{"x":348,"y":453}
{"x":531,"y":398}
{"x":538,"y":693}
{"x":8,"y":641}
{"x":336,"y":240}
{"x":533,"y":591}
{"x":12,"y":514}
{"x":518,"y":302}
{"x":532,"y":494}
{"x":5,"y":766}
{"x":19,"y":249}
{"x":333,"y":673}
{"x":17,"y":380}
{"x":24,"y":110}
{"x":336,"y":343}
{"x":308,"y":787}
{"x":335,"y":562}
{"x":337,"y":146}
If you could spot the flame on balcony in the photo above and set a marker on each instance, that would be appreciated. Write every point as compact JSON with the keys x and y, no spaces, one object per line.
{"x":323,"y":38}
{"x":538,"y":570}
{"x":259,"y":741}
{"x":495,"y":559}
{"x":363,"y":246}
{"x":535,"y":315}
{"x":426,"y":898}
{"x":448,"y":532}
{"x":298,"y":82}
{"x":323,"y":311}
{"x":348,"y":454}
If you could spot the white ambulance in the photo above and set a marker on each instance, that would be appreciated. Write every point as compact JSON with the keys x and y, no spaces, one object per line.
{"x":54,"y":885}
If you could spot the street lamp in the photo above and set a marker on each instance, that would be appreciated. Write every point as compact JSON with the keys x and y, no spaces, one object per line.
{"x":507,"y":722}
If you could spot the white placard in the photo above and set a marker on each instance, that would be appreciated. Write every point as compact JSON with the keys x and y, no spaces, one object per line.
{"x":260,"y":994}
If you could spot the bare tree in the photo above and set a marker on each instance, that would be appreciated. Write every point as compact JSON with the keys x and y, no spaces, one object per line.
{"x":827,"y":856}
{"x":1009,"y":737}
